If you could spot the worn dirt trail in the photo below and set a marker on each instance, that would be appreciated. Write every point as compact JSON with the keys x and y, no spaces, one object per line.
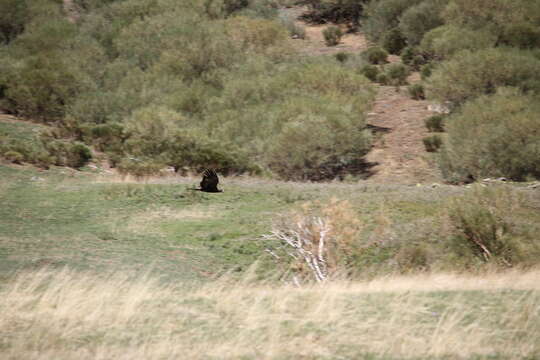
{"x":398,"y":156}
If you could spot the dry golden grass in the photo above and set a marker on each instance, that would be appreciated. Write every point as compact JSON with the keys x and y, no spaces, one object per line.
{"x":68,"y":315}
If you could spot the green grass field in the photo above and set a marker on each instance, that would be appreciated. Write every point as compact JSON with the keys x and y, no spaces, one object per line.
{"x":96,"y":266}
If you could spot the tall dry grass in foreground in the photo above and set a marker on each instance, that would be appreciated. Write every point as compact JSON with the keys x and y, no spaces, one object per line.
{"x":68,"y":315}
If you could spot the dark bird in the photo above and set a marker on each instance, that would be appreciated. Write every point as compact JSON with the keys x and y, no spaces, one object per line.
{"x":209,"y":182}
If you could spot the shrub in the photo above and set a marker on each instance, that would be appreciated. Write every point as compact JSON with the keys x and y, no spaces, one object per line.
{"x":393,"y":41}
{"x":13,"y":19}
{"x":63,"y":153}
{"x":384,"y":15}
{"x":78,"y":155}
{"x":382,"y":78}
{"x":483,"y":228}
{"x":317,"y":242}
{"x":432,"y":143}
{"x":421,"y":18}
{"x":435,"y":123}
{"x":370,"y":71}
{"x":473,"y":74}
{"x":426,"y":71}
{"x":416,"y":91}
{"x":522,"y":35}
{"x":295,"y":30}
{"x":342,"y":56}
{"x":494,"y":136}
{"x":375,"y":55}
{"x":335,"y":11}
{"x":332,"y":35}
{"x":445,"y":41}
{"x":407,"y":55}
{"x":327,"y":142}
{"x":14,"y":157}
{"x":397,"y":74}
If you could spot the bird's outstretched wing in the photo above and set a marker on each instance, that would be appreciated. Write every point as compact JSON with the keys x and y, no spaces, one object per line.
{"x":209,"y":181}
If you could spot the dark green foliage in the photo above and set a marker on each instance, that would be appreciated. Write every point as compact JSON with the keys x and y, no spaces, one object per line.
{"x":426,"y":70}
{"x":370,"y":71}
{"x":393,"y":41}
{"x":375,"y":55}
{"x":332,"y":35}
{"x":523,"y":35}
{"x":494,"y":136}
{"x":13,"y":18}
{"x":63,"y":153}
{"x":472,"y":74}
{"x":407,"y":55}
{"x":342,"y":56}
{"x":416,"y":91}
{"x":435,"y":123}
{"x":335,"y":11}
{"x":432,"y":143}
{"x":421,"y":18}
{"x":397,"y":73}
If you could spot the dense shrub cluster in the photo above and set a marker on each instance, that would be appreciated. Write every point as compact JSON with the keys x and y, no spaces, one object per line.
{"x":494,"y":136}
{"x":472,"y":74}
{"x":156,"y":83}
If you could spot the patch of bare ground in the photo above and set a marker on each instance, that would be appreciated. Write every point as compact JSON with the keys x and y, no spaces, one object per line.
{"x":398,"y":156}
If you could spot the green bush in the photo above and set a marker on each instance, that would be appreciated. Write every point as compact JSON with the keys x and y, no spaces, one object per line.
{"x":421,"y":18}
{"x":13,"y":19}
{"x":494,"y":136}
{"x":495,"y":16}
{"x":522,"y":35}
{"x":393,"y":41}
{"x":426,"y":71}
{"x":416,"y":91}
{"x":383,"y":79}
{"x":332,"y":35}
{"x":63,"y":153}
{"x":397,"y":74}
{"x":445,"y":41}
{"x":370,"y":71}
{"x":407,"y":55}
{"x":484,"y":229}
{"x":432,"y":143}
{"x":14,"y":157}
{"x":435,"y":123}
{"x":322,"y":148}
{"x":375,"y":55}
{"x":472,"y":74}
{"x":342,"y":56}
{"x":383,"y":15}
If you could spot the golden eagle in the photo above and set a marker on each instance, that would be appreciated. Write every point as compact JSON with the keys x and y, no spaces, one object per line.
{"x":209,"y":182}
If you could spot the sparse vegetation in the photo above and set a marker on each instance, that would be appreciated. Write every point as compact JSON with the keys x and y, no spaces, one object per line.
{"x":332,"y":35}
{"x":416,"y":91}
{"x":432,"y":143}
{"x":435,"y":123}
